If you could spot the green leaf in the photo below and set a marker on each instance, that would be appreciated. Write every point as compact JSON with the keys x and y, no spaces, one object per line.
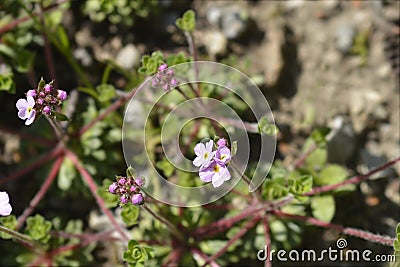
{"x":187,"y":22}
{"x":9,"y":222}
{"x":62,"y":37}
{"x":331,"y":174}
{"x":7,"y":83}
{"x":266,"y":127}
{"x":110,"y":200}
{"x":323,"y":207}
{"x":23,"y":60}
{"x":38,"y":228}
{"x":319,"y":135}
{"x":166,"y":167}
{"x":137,"y":253}
{"x":301,"y":185}
{"x":59,"y":116}
{"x":66,"y":174}
{"x":130,"y":214}
{"x":106,"y":92}
{"x":131,"y":172}
{"x":275,"y":188}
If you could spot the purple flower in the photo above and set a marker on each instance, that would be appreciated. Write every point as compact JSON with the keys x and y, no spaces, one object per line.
{"x":40,"y":101}
{"x":42,"y":94}
{"x":122,"y":181}
{"x":48,"y":88}
{"x":139,"y":181}
{"x":204,"y":154}
{"x":62,"y":95}
{"x":31,"y":93}
{"x":162,"y":67}
{"x":133,"y":188}
{"x":5,"y":207}
{"x":137,"y":199}
{"x":46,"y":110}
{"x":113,"y":188}
{"x":124,"y":199}
{"x":215,"y":173}
{"x":223,"y":155}
{"x":221,"y":142}
{"x":26,"y":110}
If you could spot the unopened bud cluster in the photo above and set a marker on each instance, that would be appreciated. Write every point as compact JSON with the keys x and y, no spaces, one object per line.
{"x":40,"y":100}
{"x":128,"y":188}
{"x":164,"y":78}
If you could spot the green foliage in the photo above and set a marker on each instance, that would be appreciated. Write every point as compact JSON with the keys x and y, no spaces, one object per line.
{"x":137,"y":254}
{"x":10,"y":222}
{"x":265,"y":127}
{"x":187,"y":22}
{"x":38,"y":228}
{"x":396,"y":242}
{"x":118,"y":11}
{"x":106,"y":92}
{"x":151,"y":63}
{"x":323,"y":207}
{"x":7,"y":83}
{"x":130,"y":214}
{"x":110,"y":200}
{"x":66,"y":174}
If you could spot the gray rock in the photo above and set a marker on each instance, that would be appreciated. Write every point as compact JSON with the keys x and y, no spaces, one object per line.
{"x":344,"y":37}
{"x":341,"y":141}
{"x":231,"y":20}
{"x":128,"y":57}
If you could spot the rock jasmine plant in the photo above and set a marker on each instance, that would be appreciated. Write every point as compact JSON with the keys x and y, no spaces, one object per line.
{"x":68,"y":213}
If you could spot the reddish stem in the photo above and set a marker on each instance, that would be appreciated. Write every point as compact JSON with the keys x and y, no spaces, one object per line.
{"x":196,"y":251}
{"x":40,"y":194}
{"x":305,"y":155}
{"x":93,"y":188}
{"x":238,"y":235}
{"x":42,"y":160}
{"x":384,"y":240}
{"x":267,"y":240}
{"x":354,"y":180}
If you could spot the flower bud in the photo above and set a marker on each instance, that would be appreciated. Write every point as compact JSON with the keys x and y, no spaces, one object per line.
{"x":62,"y":95}
{"x":122,"y":181}
{"x":46,"y":110}
{"x":48,"y":88}
{"x":31,"y":93}
{"x":113,"y":188}
{"x":139,"y":181}
{"x":124,"y":199}
{"x":221,"y":142}
{"x":137,"y":199}
{"x":162,"y":67}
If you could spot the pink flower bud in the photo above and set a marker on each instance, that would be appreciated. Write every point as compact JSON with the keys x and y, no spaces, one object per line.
{"x":122,"y":181}
{"x":48,"y":88}
{"x":139,"y":181}
{"x":137,"y":199}
{"x":62,"y":95}
{"x":221,"y":142}
{"x":31,"y":93}
{"x":113,"y":188}
{"x":40,"y":101}
{"x":174,"y":82}
{"x":162,"y":67}
{"x":124,"y":199}
{"x":46,"y":110}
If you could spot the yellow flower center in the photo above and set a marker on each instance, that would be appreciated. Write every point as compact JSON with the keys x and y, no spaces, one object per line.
{"x":216,"y":168}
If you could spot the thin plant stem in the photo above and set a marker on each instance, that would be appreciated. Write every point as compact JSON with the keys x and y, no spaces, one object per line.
{"x":40,"y":194}
{"x":23,"y":239}
{"x":47,"y":156}
{"x":93,"y":188}
{"x":196,"y":251}
{"x":354,"y":180}
{"x":384,"y":240}
{"x":165,"y":221}
{"x":56,"y":128}
{"x":267,"y":236}
{"x":232,"y":240}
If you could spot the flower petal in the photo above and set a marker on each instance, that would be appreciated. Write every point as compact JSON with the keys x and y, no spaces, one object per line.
{"x":4,"y":199}
{"x":198,"y":149}
{"x":22,"y":114}
{"x":21,"y":104}
{"x":31,"y":101}
{"x":5,"y":210}
{"x":209,"y":145}
{"x":31,"y":118}
{"x":207,"y":174}
{"x":217,"y":180}
{"x":197,"y":161}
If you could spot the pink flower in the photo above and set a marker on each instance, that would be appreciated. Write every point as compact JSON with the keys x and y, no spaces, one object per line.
{"x":162,"y":67}
{"x":204,"y":154}
{"x":215,"y":173}
{"x":223,"y":155}
{"x":26,"y":110}
{"x":5,"y":207}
